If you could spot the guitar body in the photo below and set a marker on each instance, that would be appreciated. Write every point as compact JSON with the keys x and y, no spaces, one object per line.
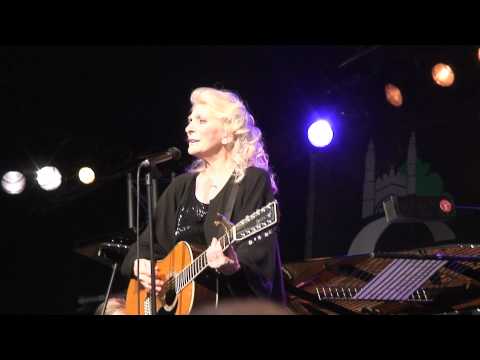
{"x":168,"y":302}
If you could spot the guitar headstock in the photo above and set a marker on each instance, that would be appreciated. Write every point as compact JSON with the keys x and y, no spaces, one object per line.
{"x":255,"y":224}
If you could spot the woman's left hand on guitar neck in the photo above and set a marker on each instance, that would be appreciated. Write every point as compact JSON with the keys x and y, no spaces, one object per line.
{"x":227,"y":263}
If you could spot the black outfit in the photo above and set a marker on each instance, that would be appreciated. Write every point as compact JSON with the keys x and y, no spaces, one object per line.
{"x":190,"y":220}
{"x":180,"y":216}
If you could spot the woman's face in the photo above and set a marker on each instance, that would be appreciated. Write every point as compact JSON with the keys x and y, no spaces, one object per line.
{"x":204,"y":132}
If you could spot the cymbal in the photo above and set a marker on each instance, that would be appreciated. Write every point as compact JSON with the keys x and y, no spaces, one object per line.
{"x":90,"y":250}
{"x":113,"y":245}
{"x":113,"y":252}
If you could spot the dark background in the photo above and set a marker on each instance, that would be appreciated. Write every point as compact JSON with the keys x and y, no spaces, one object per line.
{"x":106,"y":105}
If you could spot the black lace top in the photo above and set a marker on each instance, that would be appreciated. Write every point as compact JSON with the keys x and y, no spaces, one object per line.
{"x":190,"y":220}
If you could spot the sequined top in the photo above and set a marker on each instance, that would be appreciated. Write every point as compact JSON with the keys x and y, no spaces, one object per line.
{"x":190,"y":220}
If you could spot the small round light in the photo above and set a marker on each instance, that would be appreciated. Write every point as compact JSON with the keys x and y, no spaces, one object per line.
{"x":446,"y":206}
{"x":13,"y":182}
{"x":443,"y":75}
{"x":86,"y":175}
{"x":49,"y":178}
{"x":320,"y":133}
{"x":393,"y":95}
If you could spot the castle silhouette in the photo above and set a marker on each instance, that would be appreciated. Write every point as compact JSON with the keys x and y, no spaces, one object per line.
{"x":376,"y":190}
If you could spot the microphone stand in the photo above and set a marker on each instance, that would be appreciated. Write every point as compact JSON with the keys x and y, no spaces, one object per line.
{"x":153,"y":299}
{"x":172,"y":154}
{"x":107,"y":295}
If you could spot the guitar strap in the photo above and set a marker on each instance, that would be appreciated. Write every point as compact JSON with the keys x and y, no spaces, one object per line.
{"x":228,"y":214}
{"x":231,"y":201}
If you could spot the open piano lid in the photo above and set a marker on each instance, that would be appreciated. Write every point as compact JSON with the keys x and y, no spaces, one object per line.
{"x":433,"y":280}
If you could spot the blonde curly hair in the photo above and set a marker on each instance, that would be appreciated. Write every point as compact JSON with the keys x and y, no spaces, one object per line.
{"x":247,"y":147}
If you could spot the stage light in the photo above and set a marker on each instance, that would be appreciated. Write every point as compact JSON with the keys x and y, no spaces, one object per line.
{"x":13,"y":182}
{"x":478,"y":54}
{"x":49,"y":178}
{"x":443,"y":75}
{"x":86,"y":175}
{"x":320,"y":133}
{"x":393,"y":95}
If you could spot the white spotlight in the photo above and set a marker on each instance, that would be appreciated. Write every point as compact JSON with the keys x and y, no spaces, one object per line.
{"x":13,"y":182}
{"x":86,"y":175}
{"x":49,"y":178}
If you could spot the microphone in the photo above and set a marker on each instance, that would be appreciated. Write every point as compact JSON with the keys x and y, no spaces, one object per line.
{"x":171,"y":154}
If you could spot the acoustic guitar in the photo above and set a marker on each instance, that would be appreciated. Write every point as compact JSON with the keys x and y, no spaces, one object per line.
{"x":184,"y":263}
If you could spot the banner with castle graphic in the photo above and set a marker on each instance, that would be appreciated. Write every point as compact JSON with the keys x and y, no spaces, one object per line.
{"x":410,"y":178}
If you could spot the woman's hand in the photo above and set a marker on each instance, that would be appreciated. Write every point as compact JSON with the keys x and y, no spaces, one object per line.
{"x":144,"y":277}
{"x":225,"y":263}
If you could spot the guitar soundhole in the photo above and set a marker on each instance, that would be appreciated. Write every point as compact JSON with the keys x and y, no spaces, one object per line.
{"x":170,"y":297}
